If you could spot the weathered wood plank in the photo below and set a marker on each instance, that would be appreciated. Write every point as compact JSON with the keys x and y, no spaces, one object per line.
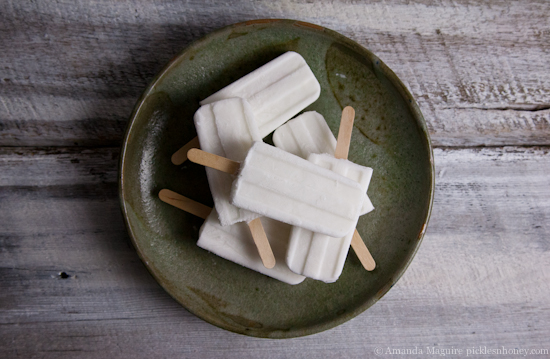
{"x":70,"y":73}
{"x":479,"y":279}
{"x":57,"y":166}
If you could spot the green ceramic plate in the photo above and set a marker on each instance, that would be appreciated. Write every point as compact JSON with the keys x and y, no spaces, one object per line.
{"x":389,"y":135}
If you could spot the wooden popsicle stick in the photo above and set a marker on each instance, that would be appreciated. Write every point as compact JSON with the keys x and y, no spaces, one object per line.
{"x":180,"y":155}
{"x":262,"y":243}
{"x":342,"y":151}
{"x":214,"y":161}
{"x":344,"y":133}
{"x":362,"y":251}
{"x":184,"y":203}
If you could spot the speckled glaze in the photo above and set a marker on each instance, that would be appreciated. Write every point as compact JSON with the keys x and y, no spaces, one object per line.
{"x":389,"y":135}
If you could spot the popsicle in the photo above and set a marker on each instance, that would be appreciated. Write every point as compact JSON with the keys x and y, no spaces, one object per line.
{"x":234,"y":242}
{"x":226,"y":128}
{"x":319,"y":256}
{"x":305,"y":134}
{"x":285,"y":187}
{"x":309,"y":134}
{"x":276,"y":91}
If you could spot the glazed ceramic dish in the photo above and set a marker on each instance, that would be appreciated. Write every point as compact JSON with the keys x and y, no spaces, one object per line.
{"x":389,"y":135}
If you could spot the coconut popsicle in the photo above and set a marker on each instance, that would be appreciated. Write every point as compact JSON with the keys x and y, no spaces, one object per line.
{"x":279,"y":185}
{"x":317,"y":255}
{"x":234,"y":242}
{"x":226,"y":128}
{"x":276,"y":91}
{"x":285,"y":187}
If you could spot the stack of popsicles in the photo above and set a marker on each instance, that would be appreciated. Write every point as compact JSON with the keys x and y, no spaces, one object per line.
{"x":288,"y":211}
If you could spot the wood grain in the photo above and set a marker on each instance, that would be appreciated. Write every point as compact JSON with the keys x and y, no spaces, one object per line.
{"x":262,"y":243}
{"x":480,"y":71}
{"x":211,"y":160}
{"x":479,"y":277}
{"x":362,"y":252}
{"x":344,"y":133}
{"x":71,"y":284}
{"x":180,"y":156}
{"x":184,"y":203}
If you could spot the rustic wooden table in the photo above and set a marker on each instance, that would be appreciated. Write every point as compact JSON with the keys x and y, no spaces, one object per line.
{"x":72,"y":285}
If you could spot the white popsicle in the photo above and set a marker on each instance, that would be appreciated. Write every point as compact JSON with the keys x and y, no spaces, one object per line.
{"x":282,"y":186}
{"x":276,"y":91}
{"x":316,"y":255}
{"x":226,"y":128}
{"x":235,"y":242}
{"x":305,"y":134}
{"x":309,"y":134}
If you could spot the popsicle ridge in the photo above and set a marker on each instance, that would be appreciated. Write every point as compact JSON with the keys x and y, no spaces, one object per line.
{"x":255,"y":81}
